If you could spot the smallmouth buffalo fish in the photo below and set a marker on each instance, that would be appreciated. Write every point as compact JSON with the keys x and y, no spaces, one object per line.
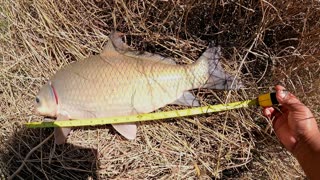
{"x":120,"y":81}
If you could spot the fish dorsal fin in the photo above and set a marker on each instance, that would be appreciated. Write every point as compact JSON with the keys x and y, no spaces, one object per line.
{"x":117,"y":42}
{"x":116,"y":45}
{"x":149,"y":57}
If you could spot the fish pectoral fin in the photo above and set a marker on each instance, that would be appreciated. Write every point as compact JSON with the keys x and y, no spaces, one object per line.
{"x":128,"y":130}
{"x":61,"y":134}
{"x":187,"y":99}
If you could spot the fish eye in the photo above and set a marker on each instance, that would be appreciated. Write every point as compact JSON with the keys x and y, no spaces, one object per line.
{"x":37,"y":100}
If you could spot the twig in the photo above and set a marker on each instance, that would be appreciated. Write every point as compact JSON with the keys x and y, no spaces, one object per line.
{"x":242,"y":62}
{"x":28,"y":155}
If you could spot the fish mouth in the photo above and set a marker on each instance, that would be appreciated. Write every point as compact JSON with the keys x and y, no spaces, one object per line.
{"x":35,"y":111}
{"x":48,"y":119}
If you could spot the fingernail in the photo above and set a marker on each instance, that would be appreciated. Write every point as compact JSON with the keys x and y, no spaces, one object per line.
{"x":283,"y":93}
{"x":267,"y":112}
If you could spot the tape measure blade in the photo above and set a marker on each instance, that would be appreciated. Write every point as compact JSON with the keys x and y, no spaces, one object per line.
{"x":144,"y":117}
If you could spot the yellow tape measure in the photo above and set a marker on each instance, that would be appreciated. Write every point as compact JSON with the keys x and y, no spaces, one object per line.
{"x":263,"y":100}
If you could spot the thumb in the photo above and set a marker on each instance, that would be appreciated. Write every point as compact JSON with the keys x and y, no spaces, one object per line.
{"x":288,"y":100}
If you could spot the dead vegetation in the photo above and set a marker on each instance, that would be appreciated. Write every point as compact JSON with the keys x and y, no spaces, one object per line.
{"x":265,"y":43}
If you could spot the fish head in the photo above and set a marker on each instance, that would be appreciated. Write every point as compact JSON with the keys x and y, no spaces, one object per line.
{"x":46,"y":101}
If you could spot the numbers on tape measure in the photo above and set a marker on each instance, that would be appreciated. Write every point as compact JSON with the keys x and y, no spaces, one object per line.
{"x":188,"y":111}
{"x":143,"y":117}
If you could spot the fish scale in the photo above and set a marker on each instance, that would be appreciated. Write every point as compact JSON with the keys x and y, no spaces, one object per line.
{"x":135,"y":85}
{"x":119,"y":82}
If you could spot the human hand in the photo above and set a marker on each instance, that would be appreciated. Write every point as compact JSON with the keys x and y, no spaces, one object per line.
{"x":294,"y":124}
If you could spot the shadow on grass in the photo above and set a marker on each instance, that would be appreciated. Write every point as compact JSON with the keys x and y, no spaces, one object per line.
{"x":65,"y":162}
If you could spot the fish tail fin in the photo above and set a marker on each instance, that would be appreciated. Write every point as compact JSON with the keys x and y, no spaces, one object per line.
{"x":218,"y":77}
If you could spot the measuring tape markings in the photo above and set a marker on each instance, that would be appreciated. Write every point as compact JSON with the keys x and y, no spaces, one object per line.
{"x":144,"y":117}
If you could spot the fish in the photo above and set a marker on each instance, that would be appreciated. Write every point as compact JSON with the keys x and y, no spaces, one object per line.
{"x":122,"y":81}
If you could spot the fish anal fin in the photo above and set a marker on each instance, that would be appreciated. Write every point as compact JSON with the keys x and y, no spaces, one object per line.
{"x":187,"y":99}
{"x":128,"y":130}
{"x":61,"y":134}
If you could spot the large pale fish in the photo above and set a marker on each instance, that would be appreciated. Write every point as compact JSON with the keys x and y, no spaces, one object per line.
{"x":120,"y":81}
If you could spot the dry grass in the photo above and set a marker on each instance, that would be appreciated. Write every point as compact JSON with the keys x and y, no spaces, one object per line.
{"x":263,"y":42}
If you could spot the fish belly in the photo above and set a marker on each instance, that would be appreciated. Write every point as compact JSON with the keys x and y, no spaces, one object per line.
{"x":99,"y":87}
